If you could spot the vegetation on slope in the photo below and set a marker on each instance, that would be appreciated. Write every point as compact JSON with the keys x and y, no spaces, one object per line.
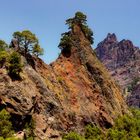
{"x":10,"y":58}
{"x":126,"y":127}
{"x":28,"y":42}
{"x":133,"y":84}
{"x":14,"y":65}
{"x":7,"y":130}
{"x":79,"y":19}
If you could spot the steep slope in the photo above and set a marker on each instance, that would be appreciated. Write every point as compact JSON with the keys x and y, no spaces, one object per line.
{"x":93,"y":93}
{"x":29,"y":99}
{"x":122,"y":59}
{"x":66,"y":95}
{"x":134,"y":98}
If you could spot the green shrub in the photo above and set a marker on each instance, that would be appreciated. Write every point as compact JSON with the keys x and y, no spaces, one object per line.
{"x":3,"y":45}
{"x":88,"y":33}
{"x":65,"y":42}
{"x":60,"y":79}
{"x":6,"y":129}
{"x":12,"y":138}
{"x":29,"y":127}
{"x":73,"y":136}
{"x":92,"y":132}
{"x":135,"y":112}
{"x":3,"y":58}
{"x":26,"y":40}
{"x":80,"y":19}
{"x":30,"y":138}
{"x":37,"y":50}
{"x":15,"y":66}
{"x":126,"y":127}
{"x":128,"y":123}
{"x":113,"y":134}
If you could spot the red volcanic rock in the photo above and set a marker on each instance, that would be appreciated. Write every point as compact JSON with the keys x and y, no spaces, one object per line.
{"x":66,"y":95}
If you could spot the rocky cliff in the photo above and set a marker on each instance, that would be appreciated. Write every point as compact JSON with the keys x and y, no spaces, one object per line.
{"x":134,"y":98}
{"x":66,"y":95}
{"x":122,"y":59}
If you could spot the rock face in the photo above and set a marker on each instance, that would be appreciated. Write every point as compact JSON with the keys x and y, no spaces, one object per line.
{"x":66,"y":95}
{"x":134,"y":98}
{"x":122,"y":59}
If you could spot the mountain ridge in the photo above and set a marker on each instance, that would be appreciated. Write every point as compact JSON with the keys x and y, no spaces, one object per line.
{"x":122,"y":59}
{"x":66,"y":95}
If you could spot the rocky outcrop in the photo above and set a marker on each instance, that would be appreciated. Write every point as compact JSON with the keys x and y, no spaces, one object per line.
{"x":66,"y":95}
{"x":134,"y":98}
{"x":122,"y":59}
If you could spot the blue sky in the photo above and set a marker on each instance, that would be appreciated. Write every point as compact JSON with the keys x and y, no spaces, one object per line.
{"x":46,"y":18}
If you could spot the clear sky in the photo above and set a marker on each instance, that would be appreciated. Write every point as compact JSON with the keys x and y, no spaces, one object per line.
{"x":46,"y":18}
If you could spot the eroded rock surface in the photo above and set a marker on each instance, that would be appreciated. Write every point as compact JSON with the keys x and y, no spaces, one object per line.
{"x":66,"y":95}
{"x":122,"y":59}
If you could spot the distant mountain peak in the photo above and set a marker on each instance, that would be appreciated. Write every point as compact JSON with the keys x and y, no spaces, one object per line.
{"x":111,"y":37}
{"x":127,"y":43}
{"x":122,"y":59}
{"x":116,"y":51}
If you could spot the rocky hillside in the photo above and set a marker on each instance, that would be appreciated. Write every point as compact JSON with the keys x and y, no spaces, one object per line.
{"x":66,"y":95}
{"x":122,"y":59}
{"x":134,"y":98}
